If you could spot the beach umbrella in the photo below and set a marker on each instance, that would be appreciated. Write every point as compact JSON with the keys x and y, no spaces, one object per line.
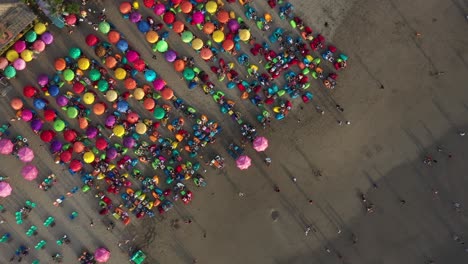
{"x":118,"y":130}
{"x":125,"y":7}
{"x":70,"y":19}
{"x":139,"y":65}
{"x":186,"y":7}
{"x":29,"y":172}
{"x":59,"y":125}
{"x":130,"y":83}
{"x":75,"y":165}
{"x":9,"y":72}
{"x":211,"y":7}
{"x":70,"y":135}
{"x":179,"y":65}
{"x":260,"y":144}
{"x":189,"y":74}
{"x":122,"y":45}
{"x":36,"y":125}
{"x":5,"y":189}
{"x":122,"y":106}
{"x":72,"y":112}
{"x":159,"y":113}
{"x":150,"y":75}
{"x":139,"y":93}
{"x":16,"y":103}
{"x":12,"y":55}
{"x":135,"y":17}
{"x":25,"y":154}
{"x":88,"y":157}
{"x":159,"y":9}
{"x":198,"y":17}
{"x":244,"y":34}
{"x":102,"y":255}
{"x":100,"y":51}
{"x":103,"y":85}
{"x":3,"y":63}
{"x":187,"y":36}
{"x":243,"y":162}
{"x":152,"y":36}
{"x":159,"y":84}
{"x":148,"y":3}
{"x":132,"y":117}
{"x":223,"y":16}
{"x":218,"y":36}
{"x":39,"y":103}
{"x":61,"y":100}
{"x":176,"y":3}
{"x":111,"y":62}
{"x":162,"y":46}
{"x":53,"y":90}
{"x":49,"y":115}
{"x":39,"y":45}
{"x":60,"y":64}
{"x":6,"y":146}
{"x":56,"y":146}
{"x":75,"y":52}
{"x":83,"y":122}
{"x":101,"y":143}
{"x":110,"y":120}
{"x":83,"y":64}
{"x":47,"y":135}
{"x":47,"y":37}
{"x":27,"y":55}
{"x":104,"y":27}
{"x":197,"y":44}
{"x":99,"y":108}
{"x":31,"y":36}
{"x":128,"y":142}
{"x":233,"y":25}
{"x":91,"y":132}
{"x":19,"y":64}
{"x":167,"y":93}
{"x":144,"y":26}
{"x":111,"y":153}
{"x":149,"y":104}
{"x":169,"y":17}
{"x":111,"y":95}
{"x":43,"y":79}
{"x":78,"y":147}
{"x":40,"y":28}
{"x":91,"y":40}
{"x":140,"y":128}
{"x":66,"y":156}
{"x":178,"y":26}
{"x":68,"y":75}
{"x":94,"y":75}
{"x":19,"y":46}
{"x":170,"y":55}
{"x":228,"y":44}
{"x":132,"y":55}
{"x":208,"y":28}
{"x":27,"y":115}
{"x":88,"y":98}
{"x":120,"y":74}
{"x":78,"y":87}
{"x":29,"y":91}
{"x":206,"y":54}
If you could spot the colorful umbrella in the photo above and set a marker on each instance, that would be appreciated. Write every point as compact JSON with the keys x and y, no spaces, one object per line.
{"x":111,"y":153}
{"x":211,"y":7}
{"x":92,"y":132}
{"x":132,"y":117}
{"x":150,"y":75}
{"x":75,"y":52}
{"x":103,"y":85}
{"x":111,"y":62}
{"x":88,"y":98}
{"x":88,"y":157}
{"x":27,"y":55}
{"x":159,"y":9}
{"x":206,"y":54}
{"x":140,"y":128}
{"x":83,"y":64}
{"x":149,"y":104}
{"x":120,"y":74}
{"x":125,"y":7}
{"x":60,"y":64}
{"x":111,"y":95}
{"x":122,"y":45}
{"x":36,"y":125}
{"x":53,"y":90}
{"x":56,"y":146}
{"x":169,"y":17}
{"x":27,"y":115}
{"x":186,"y":7}
{"x":65,"y":156}
{"x":29,"y":172}
{"x":19,"y":64}
{"x":132,"y":56}
{"x":12,"y":55}
{"x":29,"y":91}
{"x":91,"y":40}
{"x":161,"y":46}
{"x":218,"y":36}
{"x":61,"y":100}
{"x":159,"y":113}
{"x":47,"y":135}
{"x":99,"y":108}
{"x":208,"y":28}
{"x":128,"y":142}
{"x":243,"y":162}
{"x":3,"y":63}
{"x":139,"y":93}
{"x":244,"y":34}
{"x":5,"y":189}
{"x":152,"y":36}
{"x":143,"y":26}
{"x":187,"y":36}
{"x":167,"y":93}
{"x":40,"y":28}
{"x":43,"y":79}
{"x":9,"y":72}
{"x":59,"y":125}
{"x":49,"y":115}
{"x":223,"y":16}
{"x":94,"y":75}
{"x":139,"y":65}
{"x":72,"y":112}
{"x":76,"y":165}
{"x":104,"y":27}
{"x":83,"y":122}
{"x":78,"y":147}
{"x":198,"y":17}
{"x":39,"y":103}
{"x":78,"y":87}
{"x":48,"y":38}
{"x":178,"y":26}
{"x":110,"y":120}
{"x":170,"y":55}
{"x":159,"y":84}
{"x":31,"y":36}
{"x":100,"y":51}
{"x":118,"y":130}
{"x":70,"y":135}
{"x":39,"y":45}
{"x":6,"y":146}
{"x":197,"y":44}
{"x":19,"y":46}
{"x":25,"y":154}
{"x":122,"y":106}
{"x":68,"y":75}
{"x":101,"y":143}
{"x":135,"y":17}
{"x":16,"y":103}
{"x":228,"y":44}
{"x":102,"y":255}
{"x":148,"y":3}
{"x":189,"y":74}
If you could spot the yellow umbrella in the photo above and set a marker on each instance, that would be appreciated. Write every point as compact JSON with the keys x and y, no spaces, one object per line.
{"x":88,"y":157}
{"x":244,"y":34}
{"x":139,"y":93}
{"x":197,"y":44}
{"x":309,"y":58}
{"x":27,"y":55}
{"x":83,"y":64}
{"x":12,"y":55}
{"x":118,"y":130}
{"x":120,"y":74}
{"x":152,"y":36}
{"x":211,"y":7}
{"x":111,"y":95}
{"x":140,"y":128}
{"x":88,"y":98}
{"x":218,"y":36}
{"x":40,"y":28}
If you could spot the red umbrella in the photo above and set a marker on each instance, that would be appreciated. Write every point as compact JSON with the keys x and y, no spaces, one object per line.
{"x":76,"y":165}
{"x":47,"y":135}
{"x":66,"y":156}
{"x":70,"y":19}
{"x":130,"y":83}
{"x":178,"y":26}
{"x":91,"y":40}
{"x":69,"y":135}
{"x":176,"y":2}
{"x":169,"y":17}
{"x":101,"y":143}
{"x":139,"y":65}
{"x":113,"y":36}
{"x":49,"y":115}
{"x":29,"y":91}
{"x":132,"y":117}
{"x":148,"y":3}
{"x":78,"y":87}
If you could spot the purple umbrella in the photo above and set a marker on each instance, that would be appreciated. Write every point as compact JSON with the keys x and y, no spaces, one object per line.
{"x":198,"y":17}
{"x":135,"y":17}
{"x":26,"y":115}
{"x":159,"y":9}
{"x":47,"y":38}
{"x":6,"y":146}
{"x":43,"y":79}
{"x":91,"y":132}
{"x":159,"y":84}
{"x":36,"y":124}
{"x":56,"y":146}
{"x":128,"y":142}
{"x":25,"y":154}
{"x":170,"y":56}
{"x":233,"y":25}
{"x":61,"y":100}
{"x":111,"y":153}
{"x":110,"y":121}
{"x":19,"y":46}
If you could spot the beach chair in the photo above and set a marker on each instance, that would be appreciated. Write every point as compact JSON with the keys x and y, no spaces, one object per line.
{"x":19,"y":218}
{"x":73,"y":215}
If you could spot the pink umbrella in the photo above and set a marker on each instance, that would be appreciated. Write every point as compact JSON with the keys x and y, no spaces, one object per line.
{"x":243,"y":162}
{"x":25,"y":154}
{"x":6,"y":146}
{"x":159,"y":9}
{"x":260,"y":144}
{"x":102,"y":255}
{"x":198,"y":17}
{"x":19,"y":46}
{"x":29,"y":172}
{"x":39,"y":45}
{"x":159,"y":84}
{"x":132,"y":55}
{"x":19,"y":64}
{"x":5,"y":189}
{"x":26,"y":115}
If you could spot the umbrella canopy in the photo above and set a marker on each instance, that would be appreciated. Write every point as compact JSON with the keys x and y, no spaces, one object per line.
{"x":161,"y":46}
{"x":19,"y":46}
{"x":56,"y":146}
{"x":122,"y":45}
{"x":111,"y":62}
{"x":5,"y":189}
{"x":243,"y":162}
{"x":187,"y":36}
{"x":140,"y":128}
{"x":39,"y":45}
{"x":47,"y":135}
{"x":3,"y":63}
{"x":75,"y":165}
{"x":206,"y":54}
{"x":16,"y":103}
{"x":91,"y":132}
{"x":159,"y":113}
{"x":132,"y":117}
{"x":159,"y":84}
{"x":65,"y":156}
{"x":88,"y":157}
{"x":118,"y":130}
{"x":39,"y":103}
{"x":150,"y":75}
{"x":36,"y":124}
{"x":104,"y":27}
{"x":152,"y":36}
{"x":83,"y":122}
{"x":94,"y":75}
{"x":139,"y":93}
{"x":132,"y":56}
{"x":70,"y":19}
{"x":47,"y":37}
{"x":70,"y":135}
{"x":111,"y":153}
{"x":19,"y":64}
{"x":6,"y":146}
{"x":223,"y":16}
{"x":244,"y":34}
{"x":197,"y":44}
{"x":189,"y":74}
{"x":27,"y":115}
{"x":88,"y":98}
{"x":208,"y":28}
{"x":170,"y":55}
{"x":78,"y":87}
{"x":102,"y":255}
{"x":60,"y":64}
{"x":178,"y":26}
{"x":128,"y":142}
{"x":99,"y":108}
{"x":78,"y":147}
{"x":167,"y":93}
{"x":101,"y":143}
{"x":159,"y":9}
{"x":100,"y":51}
{"x":149,"y":104}
{"x":25,"y":154}
{"x":12,"y":55}
{"x":83,"y":64}
{"x":49,"y":115}
{"x":103,"y":85}
{"x":144,"y":26}
{"x":91,"y":40}
{"x":53,"y":90}
{"x":135,"y":17}
{"x":29,"y":172}
{"x":110,"y":120}
{"x":72,"y":112}
{"x":120,"y":74}
{"x":148,"y":3}
{"x":61,"y":100}
{"x":169,"y":17}
{"x":9,"y":72}
{"x":40,"y":28}
{"x":218,"y":36}
{"x":139,"y":65}
{"x":179,"y":65}
{"x":27,"y":55}
{"x":68,"y":75}
{"x":29,"y":91}
{"x":228,"y":44}
{"x":75,"y":52}
{"x":211,"y":7}
{"x":198,"y":17}
{"x":30,"y":37}
{"x":125,"y":7}
{"x":122,"y":106}
{"x":186,"y":7}
{"x":111,"y":95}
{"x":59,"y":125}
{"x":233,"y":25}
{"x":113,"y":36}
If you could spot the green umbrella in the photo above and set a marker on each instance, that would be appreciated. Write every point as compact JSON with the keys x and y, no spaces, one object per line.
{"x":162,"y":46}
{"x":159,"y":113}
{"x":94,"y":75}
{"x":74,"y":53}
{"x":189,"y":74}
{"x":72,"y":112}
{"x":104,"y":27}
{"x":103,"y":85}
{"x":59,"y":125}
{"x":9,"y":72}
{"x":187,"y":36}
{"x":68,"y":75}
{"x":31,"y":36}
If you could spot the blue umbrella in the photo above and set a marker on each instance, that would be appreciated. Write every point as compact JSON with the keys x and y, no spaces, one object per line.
{"x":122,"y":45}
{"x":150,"y":75}
{"x":39,"y":103}
{"x":144,"y":26}
{"x":53,"y":90}
{"x":122,"y":106}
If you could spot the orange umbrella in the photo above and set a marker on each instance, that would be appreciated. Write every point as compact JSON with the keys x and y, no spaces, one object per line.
{"x":78,"y":147}
{"x":16,"y":103}
{"x":130,"y":83}
{"x":83,"y":122}
{"x":223,"y":16}
{"x":149,"y":104}
{"x":113,"y":36}
{"x":111,"y":62}
{"x":152,"y":36}
{"x":60,"y":64}
{"x":178,"y":26}
{"x":125,"y":8}
{"x":99,"y":108}
{"x":206,"y":54}
{"x":208,"y":28}
{"x":228,"y":44}
{"x":179,"y":65}
{"x":167,"y":93}
{"x":186,"y":7}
